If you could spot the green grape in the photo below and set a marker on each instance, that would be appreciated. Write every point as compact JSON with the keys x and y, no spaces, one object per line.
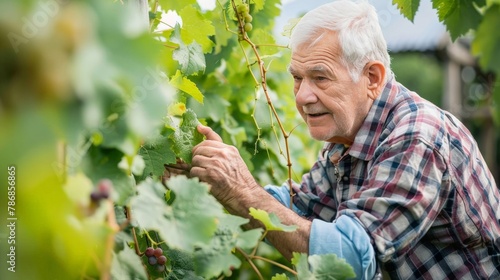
{"x":248,"y":18}
{"x":248,"y":27}
{"x":242,"y":8}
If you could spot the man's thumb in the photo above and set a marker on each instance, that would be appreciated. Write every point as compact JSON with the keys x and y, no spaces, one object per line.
{"x":209,"y":133}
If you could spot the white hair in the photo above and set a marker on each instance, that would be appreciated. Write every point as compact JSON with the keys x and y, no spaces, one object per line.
{"x":356,"y":24}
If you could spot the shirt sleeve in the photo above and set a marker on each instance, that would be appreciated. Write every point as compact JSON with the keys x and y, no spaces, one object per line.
{"x":345,"y":238}
{"x":282,"y":194}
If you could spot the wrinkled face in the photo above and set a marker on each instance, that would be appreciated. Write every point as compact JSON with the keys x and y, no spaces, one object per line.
{"x":332,"y":105}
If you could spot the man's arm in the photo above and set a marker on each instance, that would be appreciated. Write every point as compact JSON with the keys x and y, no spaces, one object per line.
{"x":222,"y":167}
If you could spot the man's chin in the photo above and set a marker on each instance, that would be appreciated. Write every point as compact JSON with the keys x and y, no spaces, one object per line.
{"x":320,"y":136}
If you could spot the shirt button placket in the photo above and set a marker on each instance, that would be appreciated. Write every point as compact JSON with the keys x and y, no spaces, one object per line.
{"x":337,"y":173}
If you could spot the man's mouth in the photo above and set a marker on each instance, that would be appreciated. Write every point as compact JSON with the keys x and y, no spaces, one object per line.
{"x":316,"y":114}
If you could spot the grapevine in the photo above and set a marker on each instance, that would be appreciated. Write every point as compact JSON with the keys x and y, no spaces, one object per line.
{"x":244,"y":20}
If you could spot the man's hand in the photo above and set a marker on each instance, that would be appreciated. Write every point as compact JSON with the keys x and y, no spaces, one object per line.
{"x":179,"y":168}
{"x":221,"y":166}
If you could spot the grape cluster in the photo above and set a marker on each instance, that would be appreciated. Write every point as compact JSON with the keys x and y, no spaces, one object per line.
{"x":244,"y":14}
{"x":102,"y":191}
{"x":156,"y":258}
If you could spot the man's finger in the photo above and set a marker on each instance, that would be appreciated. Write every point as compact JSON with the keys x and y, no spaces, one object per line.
{"x":209,"y":133}
{"x":177,"y":169}
{"x":178,"y":165}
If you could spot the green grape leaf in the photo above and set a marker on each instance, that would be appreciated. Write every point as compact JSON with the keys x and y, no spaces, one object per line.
{"x":211,"y":107}
{"x":265,"y":41}
{"x":190,"y":57}
{"x":248,"y":239}
{"x":183,"y":83}
{"x":217,"y":257}
{"x":113,"y":126}
{"x":100,"y":163}
{"x":186,"y":136}
{"x":496,"y":100}
{"x":321,"y":267}
{"x":222,"y":36}
{"x":175,"y":5}
{"x":444,"y":8}
{"x":190,"y":220}
{"x":182,"y":265}
{"x":408,"y":8}
{"x":301,"y":266}
{"x":127,"y":265}
{"x":330,"y":267}
{"x":459,"y":16}
{"x":156,"y":153}
{"x":259,"y":5}
{"x":487,"y":40}
{"x":270,"y":220}
{"x":281,"y":276}
{"x":263,"y":19}
{"x":289,"y":26}
{"x":196,"y":28}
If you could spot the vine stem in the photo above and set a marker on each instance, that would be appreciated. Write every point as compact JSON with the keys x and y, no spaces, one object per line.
{"x":154,"y":9}
{"x":263,"y":83}
{"x":254,"y":252}
{"x":282,"y":266}
{"x":250,"y":257}
{"x":249,"y":260}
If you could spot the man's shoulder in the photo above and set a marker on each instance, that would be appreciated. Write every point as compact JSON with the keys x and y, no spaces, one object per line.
{"x":412,"y":118}
{"x":415,"y":120}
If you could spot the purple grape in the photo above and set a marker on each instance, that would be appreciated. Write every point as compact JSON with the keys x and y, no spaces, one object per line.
{"x":152,"y":260}
{"x":104,"y":187}
{"x":95,"y":196}
{"x":162,"y":260}
{"x":149,"y":252}
{"x":158,"y":252}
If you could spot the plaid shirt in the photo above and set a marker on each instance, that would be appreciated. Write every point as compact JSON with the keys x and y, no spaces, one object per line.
{"x":415,"y":179}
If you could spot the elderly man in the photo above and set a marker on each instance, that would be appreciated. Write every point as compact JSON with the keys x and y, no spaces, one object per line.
{"x":400,"y":186}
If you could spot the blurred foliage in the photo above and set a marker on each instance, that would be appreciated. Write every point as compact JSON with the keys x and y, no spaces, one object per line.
{"x":479,"y":19}
{"x":90,"y":90}
{"x":429,"y":83}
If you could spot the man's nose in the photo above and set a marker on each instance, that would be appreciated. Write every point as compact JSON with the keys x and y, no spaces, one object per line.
{"x":305,"y":94}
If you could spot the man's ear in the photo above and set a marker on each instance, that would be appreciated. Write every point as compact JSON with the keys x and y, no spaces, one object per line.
{"x":375,"y":72}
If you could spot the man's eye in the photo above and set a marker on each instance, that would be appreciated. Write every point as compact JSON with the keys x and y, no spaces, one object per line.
{"x":297,"y":78}
{"x":320,"y":78}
